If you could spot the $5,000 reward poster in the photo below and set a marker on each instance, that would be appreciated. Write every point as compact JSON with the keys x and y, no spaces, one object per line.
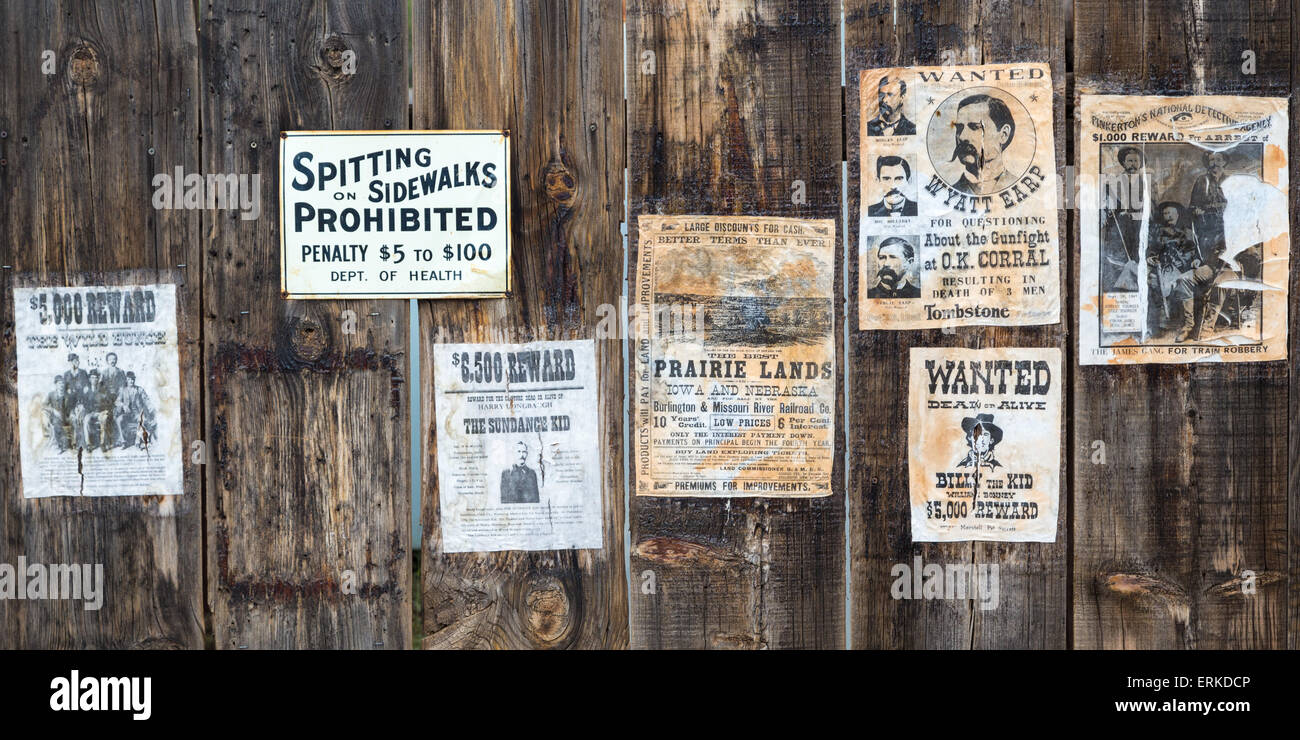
{"x":735,"y":356}
{"x":984,"y":444}
{"x":411,"y":214}
{"x":98,"y":391}
{"x":519,"y":462}
{"x":958,"y":219}
{"x":1185,"y":236}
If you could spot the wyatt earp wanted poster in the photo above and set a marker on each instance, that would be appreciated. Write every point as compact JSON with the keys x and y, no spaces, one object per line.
{"x":735,"y":356}
{"x":1184,"y":225}
{"x":98,"y":391}
{"x":958,"y":222}
{"x":984,"y":444}
{"x":518,"y":437}
{"x":407,"y":214}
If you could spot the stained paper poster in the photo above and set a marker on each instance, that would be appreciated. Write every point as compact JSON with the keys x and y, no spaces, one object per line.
{"x":958,"y":222}
{"x":1185,"y":229}
{"x":735,"y":356}
{"x":98,"y":391}
{"x":984,"y":444}
{"x":519,"y":465}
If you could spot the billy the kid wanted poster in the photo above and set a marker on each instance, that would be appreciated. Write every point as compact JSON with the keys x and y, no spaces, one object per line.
{"x":98,"y":391}
{"x":958,"y":222}
{"x":984,"y":444}
{"x":518,"y":444}
{"x":1184,"y":229}
{"x":388,"y":214}
{"x":735,"y":356}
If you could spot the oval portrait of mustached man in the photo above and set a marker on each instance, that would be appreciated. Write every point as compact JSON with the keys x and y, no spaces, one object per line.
{"x":981,"y":140}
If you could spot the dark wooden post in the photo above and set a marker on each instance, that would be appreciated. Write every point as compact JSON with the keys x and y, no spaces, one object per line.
{"x":549,"y":73}
{"x":735,"y":109}
{"x":1193,"y":489}
{"x":1033,"y":594}
{"x":80,"y":142}
{"x":308,"y":475}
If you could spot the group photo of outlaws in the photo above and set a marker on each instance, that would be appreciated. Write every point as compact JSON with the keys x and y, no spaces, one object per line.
{"x":1196,"y":290}
{"x":102,"y":408}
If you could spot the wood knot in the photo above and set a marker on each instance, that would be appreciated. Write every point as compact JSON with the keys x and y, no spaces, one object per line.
{"x":83,"y":67}
{"x":339,"y":61}
{"x":547,"y":615}
{"x":561,"y":185}
{"x":308,"y":339}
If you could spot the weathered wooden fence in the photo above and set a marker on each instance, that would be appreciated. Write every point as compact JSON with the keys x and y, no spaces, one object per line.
{"x":295,"y":412}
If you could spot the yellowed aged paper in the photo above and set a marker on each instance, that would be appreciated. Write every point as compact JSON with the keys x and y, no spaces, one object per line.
{"x":984,"y":444}
{"x":1185,"y":237}
{"x":735,"y":356}
{"x":958,"y":222}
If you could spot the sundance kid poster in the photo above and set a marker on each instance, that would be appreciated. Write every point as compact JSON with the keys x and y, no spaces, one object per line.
{"x":518,"y":446}
{"x":984,"y":442}
{"x":958,"y":223}
{"x":735,"y":356}
{"x":98,"y":391}
{"x":1184,"y":225}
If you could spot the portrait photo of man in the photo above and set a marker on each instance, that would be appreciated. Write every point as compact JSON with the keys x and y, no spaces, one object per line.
{"x":76,"y":380}
{"x":890,"y":121}
{"x":519,"y":482}
{"x":1123,"y":198}
{"x":1207,"y":206}
{"x":982,"y":130}
{"x":895,"y":268}
{"x":894,"y":183}
{"x":136,"y":421}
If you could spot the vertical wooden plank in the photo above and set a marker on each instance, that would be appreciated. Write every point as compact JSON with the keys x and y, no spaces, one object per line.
{"x":731,"y":106}
{"x":550,"y":73}
{"x":1032,"y":582}
{"x":1193,"y":490}
{"x":1293,"y":407}
{"x":308,"y":472}
{"x":79,"y":147}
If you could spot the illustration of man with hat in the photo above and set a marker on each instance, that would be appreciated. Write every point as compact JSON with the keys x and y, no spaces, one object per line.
{"x":982,"y":437}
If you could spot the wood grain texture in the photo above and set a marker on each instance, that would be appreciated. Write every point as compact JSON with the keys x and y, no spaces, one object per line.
{"x":308,"y":474}
{"x":551,"y":74}
{"x":729,"y":103}
{"x":1194,"y":488}
{"x":78,"y":151}
{"x":1033,"y":606}
{"x":1293,"y":347}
